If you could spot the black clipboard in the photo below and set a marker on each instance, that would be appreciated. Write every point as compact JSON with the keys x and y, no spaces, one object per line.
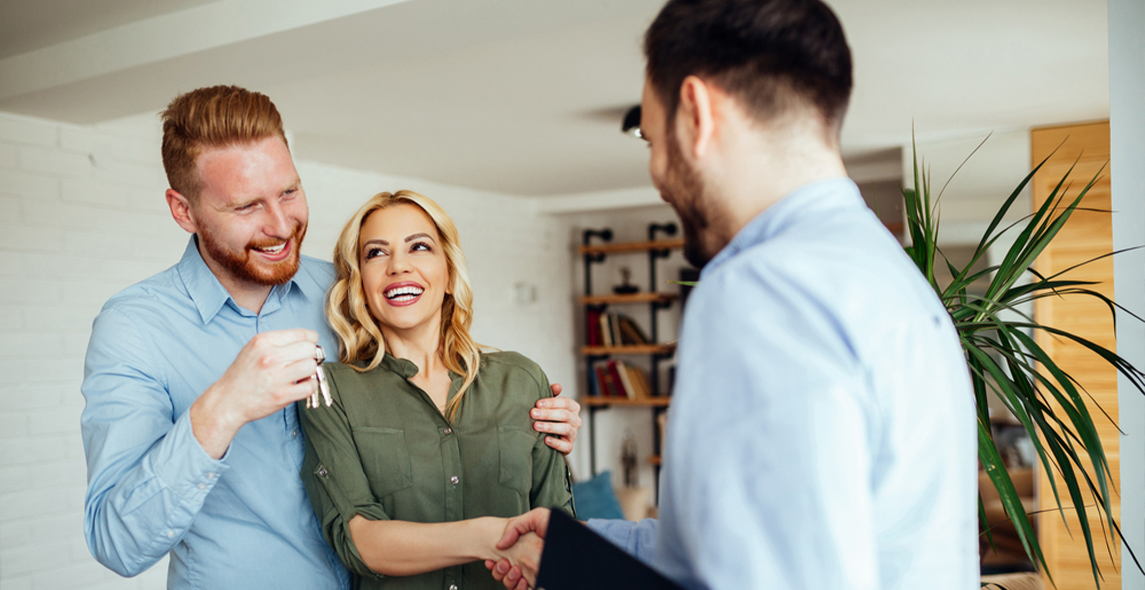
{"x":576,"y":558}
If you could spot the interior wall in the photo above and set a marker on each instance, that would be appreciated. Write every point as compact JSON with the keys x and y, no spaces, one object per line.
{"x":1127,"y":146}
{"x":82,"y":216}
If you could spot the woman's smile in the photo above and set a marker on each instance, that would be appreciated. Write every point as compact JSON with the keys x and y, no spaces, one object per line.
{"x":403,"y":293}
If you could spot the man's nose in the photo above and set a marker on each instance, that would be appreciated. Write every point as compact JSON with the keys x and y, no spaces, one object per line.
{"x":278,"y":224}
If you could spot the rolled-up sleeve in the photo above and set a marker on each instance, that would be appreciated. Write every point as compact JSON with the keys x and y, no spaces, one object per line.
{"x":148,"y":476}
{"x":551,"y":485}
{"x":334,"y":479}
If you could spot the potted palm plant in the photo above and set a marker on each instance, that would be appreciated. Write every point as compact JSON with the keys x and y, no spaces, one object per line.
{"x":1004,"y":358}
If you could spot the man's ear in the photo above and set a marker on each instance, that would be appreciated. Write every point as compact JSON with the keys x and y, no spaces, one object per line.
{"x":695,"y":118}
{"x":181,"y":210}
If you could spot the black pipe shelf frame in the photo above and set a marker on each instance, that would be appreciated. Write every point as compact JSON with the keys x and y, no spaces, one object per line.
{"x":655,"y":249}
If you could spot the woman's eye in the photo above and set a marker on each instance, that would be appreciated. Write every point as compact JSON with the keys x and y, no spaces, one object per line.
{"x":373,"y":253}
{"x":421,"y":247}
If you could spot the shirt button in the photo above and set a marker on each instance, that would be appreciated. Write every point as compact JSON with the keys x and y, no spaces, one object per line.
{"x":212,"y":475}
{"x":453,"y":480}
{"x":453,"y":587}
{"x":322,"y":472}
{"x":202,"y":486}
{"x":170,"y":534}
{"x":448,"y":431}
{"x":294,"y":433}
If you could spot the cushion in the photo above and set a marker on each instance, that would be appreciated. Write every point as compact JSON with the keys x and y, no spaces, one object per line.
{"x":595,"y":499}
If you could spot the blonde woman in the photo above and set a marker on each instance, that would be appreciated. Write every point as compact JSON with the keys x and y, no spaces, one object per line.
{"x":428,"y":446}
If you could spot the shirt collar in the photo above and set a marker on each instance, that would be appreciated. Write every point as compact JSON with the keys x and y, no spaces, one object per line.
{"x":809,"y":200}
{"x":210,"y":296}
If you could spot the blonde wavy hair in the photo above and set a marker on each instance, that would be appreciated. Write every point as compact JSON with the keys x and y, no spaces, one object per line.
{"x":360,"y":338}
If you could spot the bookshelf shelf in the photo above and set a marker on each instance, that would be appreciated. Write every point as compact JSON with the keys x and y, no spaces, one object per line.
{"x":633,"y":298}
{"x":648,"y":402}
{"x":656,"y":460}
{"x":631,"y":349}
{"x":632,"y":247}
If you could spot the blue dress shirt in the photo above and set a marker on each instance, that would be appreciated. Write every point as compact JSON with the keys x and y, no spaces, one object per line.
{"x":822,"y":431}
{"x":243,"y":521}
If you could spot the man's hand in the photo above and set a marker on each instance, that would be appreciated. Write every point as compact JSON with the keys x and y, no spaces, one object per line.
{"x":534,"y":523}
{"x":272,"y":371}
{"x":559,"y":416}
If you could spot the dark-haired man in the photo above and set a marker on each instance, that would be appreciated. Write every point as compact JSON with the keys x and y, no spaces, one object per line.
{"x":822,"y":431}
{"x":191,"y":431}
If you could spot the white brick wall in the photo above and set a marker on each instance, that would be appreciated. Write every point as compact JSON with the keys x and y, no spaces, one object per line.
{"x":82,"y":216}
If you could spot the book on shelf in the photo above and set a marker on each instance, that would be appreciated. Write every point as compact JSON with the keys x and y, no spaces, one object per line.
{"x":614,"y":325}
{"x":593,"y":321}
{"x":613,"y":329}
{"x":605,"y":330}
{"x":630,"y":332}
{"x":614,"y":378}
{"x":637,"y":377}
{"x":620,"y":375}
{"x":603,"y":379}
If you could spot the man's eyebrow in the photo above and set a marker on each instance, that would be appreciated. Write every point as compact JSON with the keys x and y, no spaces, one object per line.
{"x":418,"y":235}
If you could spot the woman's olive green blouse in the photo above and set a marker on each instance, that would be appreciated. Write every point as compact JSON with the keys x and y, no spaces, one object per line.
{"x":383,"y":450}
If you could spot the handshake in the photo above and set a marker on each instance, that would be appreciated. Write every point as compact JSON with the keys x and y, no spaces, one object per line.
{"x":519,"y":550}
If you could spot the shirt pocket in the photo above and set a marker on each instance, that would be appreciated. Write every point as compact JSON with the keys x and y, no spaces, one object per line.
{"x":516,"y":452}
{"x":385,"y":458}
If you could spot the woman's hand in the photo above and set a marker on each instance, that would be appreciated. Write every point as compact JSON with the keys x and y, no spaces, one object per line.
{"x":558,"y":416}
{"x":520,"y":561}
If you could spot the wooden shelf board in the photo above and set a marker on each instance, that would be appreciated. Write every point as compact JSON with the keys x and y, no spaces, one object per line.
{"x":632,"y":247}
{"x":630,"y":349}
{"x":631,"y":298}
{"x":655,"y":460}
{"x":646,"y":402}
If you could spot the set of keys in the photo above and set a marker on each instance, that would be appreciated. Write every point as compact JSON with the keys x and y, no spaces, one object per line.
{"x":320,"y":375}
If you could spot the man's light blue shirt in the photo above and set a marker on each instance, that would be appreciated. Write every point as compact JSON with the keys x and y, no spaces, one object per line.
{"x":822,"y":431}
{"x":241,"y":522}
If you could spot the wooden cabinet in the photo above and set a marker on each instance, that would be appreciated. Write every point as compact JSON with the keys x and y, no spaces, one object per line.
{"x":1087,"y":235}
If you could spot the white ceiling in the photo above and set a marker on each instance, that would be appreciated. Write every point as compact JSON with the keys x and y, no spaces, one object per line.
{"x":523,"y":96}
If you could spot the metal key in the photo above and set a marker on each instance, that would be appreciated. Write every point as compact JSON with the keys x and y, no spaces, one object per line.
{"x":320,"y":375}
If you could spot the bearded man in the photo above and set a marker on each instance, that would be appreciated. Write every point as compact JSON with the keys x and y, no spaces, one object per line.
{"x":822,"y":429}
{"x":191,"y":431}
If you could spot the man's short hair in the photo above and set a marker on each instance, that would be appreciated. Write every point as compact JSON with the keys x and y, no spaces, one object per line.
{"x":212,"y":117}
{"x":770,"y":55}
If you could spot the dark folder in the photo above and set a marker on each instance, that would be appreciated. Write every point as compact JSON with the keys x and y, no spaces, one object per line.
{"x":576,"y":558}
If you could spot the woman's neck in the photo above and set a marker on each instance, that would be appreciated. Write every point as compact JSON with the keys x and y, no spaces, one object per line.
{"x":421,"y":346}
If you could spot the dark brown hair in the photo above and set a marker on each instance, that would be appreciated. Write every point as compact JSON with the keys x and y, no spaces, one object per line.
{"x":212,"y":117}
{"x":770,"y":54}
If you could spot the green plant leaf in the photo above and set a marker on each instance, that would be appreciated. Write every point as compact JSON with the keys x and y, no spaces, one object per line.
{"x":1004,"y":358}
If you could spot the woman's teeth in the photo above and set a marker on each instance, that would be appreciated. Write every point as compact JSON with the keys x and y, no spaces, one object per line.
{"x":404,"y":293}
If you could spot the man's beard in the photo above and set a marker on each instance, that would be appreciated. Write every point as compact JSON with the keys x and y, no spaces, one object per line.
{"x":683,"y":189}
{"x":240,"y":265}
